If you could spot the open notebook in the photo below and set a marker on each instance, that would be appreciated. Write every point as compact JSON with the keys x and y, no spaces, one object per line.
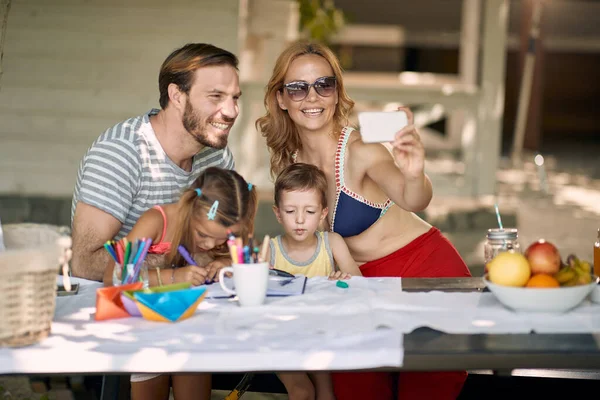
{"x":277,"y":286}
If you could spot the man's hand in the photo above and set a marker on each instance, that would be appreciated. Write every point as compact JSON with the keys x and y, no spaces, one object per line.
{"x":92,"y":227}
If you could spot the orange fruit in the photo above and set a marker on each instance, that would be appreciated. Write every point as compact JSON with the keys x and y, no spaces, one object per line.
{"x":542,"y":281}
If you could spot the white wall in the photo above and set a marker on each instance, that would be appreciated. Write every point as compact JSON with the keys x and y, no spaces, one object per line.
{"x":73,"y":68}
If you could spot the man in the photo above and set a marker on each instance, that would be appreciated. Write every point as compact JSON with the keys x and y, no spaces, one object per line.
{"x":149,"y":159}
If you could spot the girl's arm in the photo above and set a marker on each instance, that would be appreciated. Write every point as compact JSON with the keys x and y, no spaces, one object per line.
{"x":342,"y":256}
{"x":150,"y":226}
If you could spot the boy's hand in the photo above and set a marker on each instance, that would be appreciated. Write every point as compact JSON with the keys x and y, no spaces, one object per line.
{"x":334,"y":276}
{"x":191,"y":273}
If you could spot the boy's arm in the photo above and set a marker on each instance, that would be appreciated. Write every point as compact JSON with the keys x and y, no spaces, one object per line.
{"x":341,"y":255}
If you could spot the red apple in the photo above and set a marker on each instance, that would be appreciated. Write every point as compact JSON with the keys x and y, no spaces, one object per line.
{"x":543,"y":257}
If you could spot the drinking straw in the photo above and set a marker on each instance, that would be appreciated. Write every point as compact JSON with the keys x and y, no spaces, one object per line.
{"x":498,"y":217}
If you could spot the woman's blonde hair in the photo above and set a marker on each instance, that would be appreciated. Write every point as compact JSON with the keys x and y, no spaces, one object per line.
{"x":237,"y":203}
{"x":276,"y":125}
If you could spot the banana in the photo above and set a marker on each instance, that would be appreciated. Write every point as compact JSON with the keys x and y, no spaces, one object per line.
{"x":586,"y":266}
{"x":585,"y":279}
{"x":573,"y":276}
{"x":580,"y":271}
{"x":572,"y":282}
{"x":565,"y":274}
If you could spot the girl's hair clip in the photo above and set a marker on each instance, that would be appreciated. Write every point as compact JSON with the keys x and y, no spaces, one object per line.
{"x":250,"y":187}
{"x":198,"y":192}
{"x":212,"y":213}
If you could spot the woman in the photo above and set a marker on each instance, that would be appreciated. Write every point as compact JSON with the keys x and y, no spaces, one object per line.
{"x":373,"y":193}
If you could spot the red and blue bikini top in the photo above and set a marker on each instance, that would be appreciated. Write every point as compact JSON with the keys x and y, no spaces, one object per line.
{"x":352,"y":213}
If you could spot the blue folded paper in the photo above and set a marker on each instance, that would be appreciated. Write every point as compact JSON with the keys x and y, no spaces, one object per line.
{"x":170,"y":306}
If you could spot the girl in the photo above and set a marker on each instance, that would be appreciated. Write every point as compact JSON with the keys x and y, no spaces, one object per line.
{"x":300,"y":206}
{"x":219,"y":201}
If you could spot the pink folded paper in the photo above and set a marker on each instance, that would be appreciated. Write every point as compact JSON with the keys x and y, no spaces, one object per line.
{"x":109,"y":304}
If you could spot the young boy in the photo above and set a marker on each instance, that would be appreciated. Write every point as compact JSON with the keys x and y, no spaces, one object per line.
{"x":300,"y":206}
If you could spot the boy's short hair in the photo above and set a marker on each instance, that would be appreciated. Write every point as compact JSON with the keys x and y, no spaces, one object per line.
{"x":301,"y":176}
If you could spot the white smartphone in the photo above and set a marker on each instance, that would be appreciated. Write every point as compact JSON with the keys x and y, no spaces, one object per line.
{"x":381,"y":126}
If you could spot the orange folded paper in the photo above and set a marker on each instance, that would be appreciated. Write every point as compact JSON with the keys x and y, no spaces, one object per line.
{"x":109,"y":304}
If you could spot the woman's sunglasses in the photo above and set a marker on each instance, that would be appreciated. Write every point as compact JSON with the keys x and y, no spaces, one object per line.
{"x":298,"y":90}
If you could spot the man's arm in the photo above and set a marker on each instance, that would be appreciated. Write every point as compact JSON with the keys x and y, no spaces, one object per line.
{"x":107,"y":182}
{"x":92,"y":227}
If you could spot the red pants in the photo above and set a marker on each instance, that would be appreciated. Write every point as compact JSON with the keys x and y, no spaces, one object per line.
{"x":428,"y":256}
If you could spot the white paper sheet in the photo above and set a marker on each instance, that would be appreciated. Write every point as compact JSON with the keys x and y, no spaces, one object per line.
{"x":291,"y":287}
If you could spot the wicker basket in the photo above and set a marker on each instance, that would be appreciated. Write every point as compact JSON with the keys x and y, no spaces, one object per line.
{"x":28,"y":270}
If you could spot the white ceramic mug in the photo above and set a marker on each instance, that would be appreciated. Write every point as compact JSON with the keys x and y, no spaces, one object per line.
{"x":250,"y":282}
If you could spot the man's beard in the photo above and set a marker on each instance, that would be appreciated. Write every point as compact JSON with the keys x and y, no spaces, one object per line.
{"x":192,"y":122}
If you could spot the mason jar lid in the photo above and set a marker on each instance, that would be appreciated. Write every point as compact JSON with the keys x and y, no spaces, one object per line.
{"x":502,"y":234}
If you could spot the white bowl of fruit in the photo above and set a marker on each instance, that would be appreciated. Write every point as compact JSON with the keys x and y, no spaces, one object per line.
{"x":538,"y":280}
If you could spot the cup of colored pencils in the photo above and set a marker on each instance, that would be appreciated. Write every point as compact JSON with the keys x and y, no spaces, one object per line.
{"x":247,"y":253}
{"x":129,"y":259}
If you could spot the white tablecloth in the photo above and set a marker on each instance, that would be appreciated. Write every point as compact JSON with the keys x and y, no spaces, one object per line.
{"x":79,"y":344}
{"x":327,"y":328}
{"x":364,"y":310}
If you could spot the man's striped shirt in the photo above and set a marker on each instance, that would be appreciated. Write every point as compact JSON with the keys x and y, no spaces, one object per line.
{"x":126,"y":171}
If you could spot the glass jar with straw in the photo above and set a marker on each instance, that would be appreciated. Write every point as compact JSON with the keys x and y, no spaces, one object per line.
{"x":500,"y":239}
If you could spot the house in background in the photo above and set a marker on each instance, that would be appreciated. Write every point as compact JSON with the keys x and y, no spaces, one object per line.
{"x":71,"y":69}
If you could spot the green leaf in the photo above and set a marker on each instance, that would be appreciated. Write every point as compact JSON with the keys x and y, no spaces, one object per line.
{"x":320,"y":19}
